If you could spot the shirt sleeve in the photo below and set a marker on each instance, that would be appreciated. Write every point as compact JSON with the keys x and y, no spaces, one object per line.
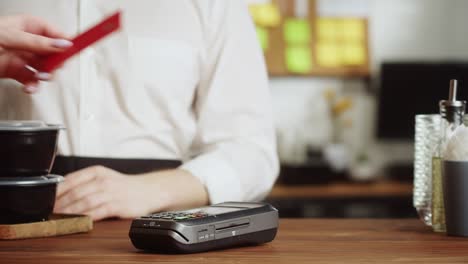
{"x":235,"y":147}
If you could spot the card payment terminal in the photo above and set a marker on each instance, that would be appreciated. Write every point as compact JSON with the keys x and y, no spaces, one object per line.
{"x":206,"y":228}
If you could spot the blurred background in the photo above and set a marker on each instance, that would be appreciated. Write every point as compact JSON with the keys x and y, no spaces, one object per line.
{"x":347,"y":78}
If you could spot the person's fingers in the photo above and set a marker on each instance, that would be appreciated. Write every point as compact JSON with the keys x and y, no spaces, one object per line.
{"x":79,"y":192}
{"x":25,"y":55}
{"x":103,"y":211}
{"x":15,"y":67}
{"x":12,"y":66}
{"x":31,"y":87}
{"x":39,"y":26}
{"x":32,"y":60}
{"x":20,"y":40}
{"x":43,"y":76}
{"x":85,"y":204}
{"x":23,"y":75}
{"x":77,"y":178}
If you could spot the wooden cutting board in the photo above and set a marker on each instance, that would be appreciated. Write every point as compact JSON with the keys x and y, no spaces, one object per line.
{"x":57,"y":225}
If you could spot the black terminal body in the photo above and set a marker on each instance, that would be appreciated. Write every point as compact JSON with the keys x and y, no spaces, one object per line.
{"x":207,"y":228}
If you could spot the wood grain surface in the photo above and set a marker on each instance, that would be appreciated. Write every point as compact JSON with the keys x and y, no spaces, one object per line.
{"x":57,"y":225}
{"x":298,"y":241}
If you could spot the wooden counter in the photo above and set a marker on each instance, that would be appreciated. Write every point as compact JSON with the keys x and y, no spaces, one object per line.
{"x":298,"y":241}
{"x":343,"y":190}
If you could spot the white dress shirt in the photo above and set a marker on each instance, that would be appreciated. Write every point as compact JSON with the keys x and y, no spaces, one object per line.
{"x":182,"y":80}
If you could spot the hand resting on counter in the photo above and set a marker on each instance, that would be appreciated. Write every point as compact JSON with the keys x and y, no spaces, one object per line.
{"x":102,"y":193}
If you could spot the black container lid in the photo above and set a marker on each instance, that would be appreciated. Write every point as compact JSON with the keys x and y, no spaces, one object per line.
{"x":27,"y":125}
{"x":31,"y":181}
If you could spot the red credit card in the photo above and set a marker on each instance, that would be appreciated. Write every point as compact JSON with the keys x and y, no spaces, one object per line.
{"x":85,"y":39}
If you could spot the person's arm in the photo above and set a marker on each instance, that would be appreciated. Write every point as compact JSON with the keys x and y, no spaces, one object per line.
{"x":22,"y":39}
{"x":236,"y":155}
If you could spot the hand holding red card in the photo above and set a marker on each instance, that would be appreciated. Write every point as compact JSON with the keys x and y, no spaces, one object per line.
{"x":82,"y":41}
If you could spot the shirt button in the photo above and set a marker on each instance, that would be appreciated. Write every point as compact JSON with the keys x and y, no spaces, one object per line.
{"x":89,"y":117}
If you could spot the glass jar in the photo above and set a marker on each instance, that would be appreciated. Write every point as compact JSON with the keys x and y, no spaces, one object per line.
{"x":427,"y":138}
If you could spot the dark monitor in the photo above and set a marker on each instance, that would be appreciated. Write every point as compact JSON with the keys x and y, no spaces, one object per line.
{"x":407,"y":89}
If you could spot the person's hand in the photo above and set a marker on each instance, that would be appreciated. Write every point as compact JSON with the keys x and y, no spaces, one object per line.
{"x":22,"y":39}
{"x":101,"y":193}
